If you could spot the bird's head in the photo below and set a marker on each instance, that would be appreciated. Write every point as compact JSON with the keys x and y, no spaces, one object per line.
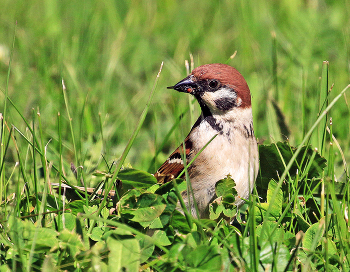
{"x":219,"y":88}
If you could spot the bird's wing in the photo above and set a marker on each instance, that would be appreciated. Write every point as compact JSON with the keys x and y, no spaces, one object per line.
{"x":174,"y":165}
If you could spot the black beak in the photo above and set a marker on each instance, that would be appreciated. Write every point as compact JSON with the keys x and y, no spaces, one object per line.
{"x":187,"y":85}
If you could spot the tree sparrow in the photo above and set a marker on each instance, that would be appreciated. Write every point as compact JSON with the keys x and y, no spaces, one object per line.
{"x":224,"y":98}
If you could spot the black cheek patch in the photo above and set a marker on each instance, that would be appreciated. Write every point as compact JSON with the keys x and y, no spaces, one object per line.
{"x":226,"y":103}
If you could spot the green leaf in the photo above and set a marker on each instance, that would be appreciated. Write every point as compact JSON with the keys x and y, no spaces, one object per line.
{"x":225,"y":187}
{"x":179,"y":222}
{"x":124,"y":251}
{"x":71,"y":241}
{"x":90,"y":209}
{"x":224,"y":203}
{"x":332,"y":248}
{"x":147,"y":248}
{"x":52,"y":203}
{"x":76,"y":206}
{"x":46,"y":239}
{"x":154,"y":224}
{"x":161,"y":237}
{"x":269,"y":253}
{"x":193,"y":239}
{"x":272,"y":233}
{"x":142,"y":208}
{"x":219,"y":207}
{"x":175,"y":252}
{"x":302,"y":222}
{"x":97,"y":233}
{"x":275,"y":203}
{"x":49,"y":264}
{"x":69,"y":220}
{"x":206,"y":258}
{"x":215,"y":209}
{"x":167,"y":187}
{"x":313,"y":235}
{"x":98,"y":251}
{"x":136,"y":178}
{"x":272,"y":166}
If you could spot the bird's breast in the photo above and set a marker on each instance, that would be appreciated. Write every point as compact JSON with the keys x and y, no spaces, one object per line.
{"x":230,"y":152}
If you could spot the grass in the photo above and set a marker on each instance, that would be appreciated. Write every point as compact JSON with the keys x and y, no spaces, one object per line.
{"x":110,"y":113}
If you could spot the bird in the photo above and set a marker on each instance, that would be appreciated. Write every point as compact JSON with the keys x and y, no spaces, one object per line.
{"x":226,"y":123}
{"x":226,"y":120}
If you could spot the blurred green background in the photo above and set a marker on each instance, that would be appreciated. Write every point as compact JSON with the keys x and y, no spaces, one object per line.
{"x":109,"y":53}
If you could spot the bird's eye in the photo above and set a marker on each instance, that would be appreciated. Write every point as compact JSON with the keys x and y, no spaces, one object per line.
{"x":213,"y":83}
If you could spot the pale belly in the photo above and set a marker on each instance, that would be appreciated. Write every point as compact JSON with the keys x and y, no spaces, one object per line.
{"x":219,"y":159}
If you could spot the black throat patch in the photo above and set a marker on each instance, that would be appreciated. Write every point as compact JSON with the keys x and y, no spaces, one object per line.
{"x":215,"y":124}
{"x":209,"y":118}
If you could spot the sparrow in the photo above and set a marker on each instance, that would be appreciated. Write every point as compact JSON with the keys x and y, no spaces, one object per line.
{"x":224,"y":98}
{"x":226,"y":122}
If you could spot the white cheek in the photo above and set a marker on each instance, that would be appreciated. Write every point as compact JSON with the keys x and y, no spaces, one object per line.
{"x":225,"y":92}
{"x":210,"y":97}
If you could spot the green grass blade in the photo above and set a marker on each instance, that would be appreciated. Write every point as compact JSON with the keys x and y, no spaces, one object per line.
{"x":128,"y":146}
{"x":323,"y":102}
{"x":166,"y":139}
{"x":60,"y":168}
{"x":306,"y":138}
{"x":64,"y":92}
{"x":3,"y":116}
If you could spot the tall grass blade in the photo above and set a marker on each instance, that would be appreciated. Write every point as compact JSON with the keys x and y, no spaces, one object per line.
{"x":40,"y":221}
{"x":128,"y":146}
{"x":323,"y":102}
{"x":35,"y":173}
{"x":3,"y":116}
{"x":274,"y":65}
{"x":166,"y":139}
{"x":64,"y":92}
{"x":60,"y":168}
{"x":306,"y":138}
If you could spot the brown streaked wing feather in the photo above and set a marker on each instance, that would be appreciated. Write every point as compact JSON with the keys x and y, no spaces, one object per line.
{"x":173,"y":166}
